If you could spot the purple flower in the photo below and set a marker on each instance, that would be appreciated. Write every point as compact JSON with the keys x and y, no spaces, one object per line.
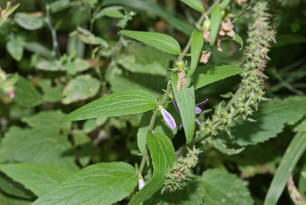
{"x":168,"y":118}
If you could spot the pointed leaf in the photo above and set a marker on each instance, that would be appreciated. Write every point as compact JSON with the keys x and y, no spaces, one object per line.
{"x":163,"y":156}
{"x":197,"y":43}
{"x":293,"y":153}
{"x":36,"y":177}
{"x":216,"y":17}
{"x":121,"y":103}
{"x":15,"y":48}
{"x":205,"y":75}
{"x":28,"y":22}
{"x":158,"y":40}
{"x":185,"y":99}
{"x":195,"y":4}
{"x":103,"y":183}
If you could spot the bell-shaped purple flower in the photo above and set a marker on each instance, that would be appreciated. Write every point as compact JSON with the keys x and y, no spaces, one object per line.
{"x":168,"y":118}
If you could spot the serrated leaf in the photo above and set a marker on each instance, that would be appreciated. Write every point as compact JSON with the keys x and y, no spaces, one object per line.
{"x":195,"y":4}
{"x":160,"y":41}
{"x":153,"y":9}
{"x":270,"y":120}
{"x":36,"y":177}
{"x":103,"y":183}
{"x":216,"y":17}
{"x":80,"y":88}
{"x":25,"y":94}
{"x":121,"y":103}
{"x":293,"y":153}
{"x":15,"y":48}
{"x":28,"y":22}
{"x":185,"y":99}
{"x":205,"y":75}
{"x":163,"y":156}
{"x":39,"y":145}
{"x":191,"y":194}
{"x":197,"y":43}
{"x":221,"y":187}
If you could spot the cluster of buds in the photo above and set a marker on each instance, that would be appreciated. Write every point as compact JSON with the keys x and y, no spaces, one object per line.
{"x":250,"y":91}
{"x":181,"y":173}
{"x":7,"y":84}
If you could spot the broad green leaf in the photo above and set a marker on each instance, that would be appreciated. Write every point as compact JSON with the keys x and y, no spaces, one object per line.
{"x":36,"y":177}
{"x":25,"y":94}
{"x":50,"y":65}
{"x":216,"y":17}
{"x":28,"y":22}
{"x":191,"y":194}
{"x":197,"y":43}
{"x":112,"y":11}
{"x":15,"y":48}
{"x":78,"y":65}
{"x":270,"y":120}
{"x":205,"y":75}
{"x":293,"y":153}
{"x":121,"y":103}
{"x":154,"y":9}
{"x":7,"y":200}
{"x":158,"y":40}
{"x":195,"y":4}
{"x":39,"y":145}
{"x":143,"y":131}
{"x":221,"y":187}
{"x":80,"y":88}
{"x":163,"y":156}
{"x":185,"y":99}
{"x":225,"y":3}
{"x":103,"y":183}
{"x":59,"y":5}
{"x":50,"y":93}
{"x":46,"y":119}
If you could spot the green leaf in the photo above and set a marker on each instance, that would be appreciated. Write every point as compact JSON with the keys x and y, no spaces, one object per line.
{"x":7,"y":200}
{"x":154,"y":9}
{"x":270,"y":120}
{"x":121,"y":103}
{"x":28,"y":22}
{"x":207,"y":74}
{"x":195,"y":4}
{"x":225,"y":3}
{"x":221,"y":187}
{"x":15,"y":48}
{"x":50,"y":93}
{"x":80,"y":88}
{"x":78,"y":65}
{"x":112,"y":11}
{"x":185,"y":99}
{"x":25,"y":94}
{"x":89,"y":38}
{"x":293,"y":153}
{"x":50,"y":65}
{"x":103,"y":183}
{"x":36,"y":177}
{"x":38,"y":48}
{"x":163,"y":156}
{"x":39,"y":145}
{"x":216,"y":17}
{"x":59,"y":5}
{"x":158,"y":40}
{"x":239,"y":40}
{"x":197,"y":43}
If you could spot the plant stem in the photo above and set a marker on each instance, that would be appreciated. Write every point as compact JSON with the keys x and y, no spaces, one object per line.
{"x":53,"y":32}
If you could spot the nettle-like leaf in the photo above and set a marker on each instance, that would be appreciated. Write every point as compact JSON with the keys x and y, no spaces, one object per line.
{"x":29,"y":22}
{"x":121,"y":103}
{"x":103,"y":183}
{"x":197,"y":43}
{"x":160,"y":41}
{"x":37,"y":145}
{"x":163,"y":156}
{"x":15,"y":48}
{"x":80,"y":88}
{"x":195,"y":4}
{"x":185,"y":99}
{"x":221,"y":187}
{"x":208,"y":74}
{"x":36,"y":177}
{"x":153,"y":9}
{"x":50,"y":93}
{"x":216,"y":17}
{"x":26,"y":94}
{"x":270,"y":120}
{"x":292,"y":155}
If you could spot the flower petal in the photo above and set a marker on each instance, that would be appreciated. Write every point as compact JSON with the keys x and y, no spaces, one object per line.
{"x":175,"y":105}
{"x":168,"y":119}
{"x":197,"y":110}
